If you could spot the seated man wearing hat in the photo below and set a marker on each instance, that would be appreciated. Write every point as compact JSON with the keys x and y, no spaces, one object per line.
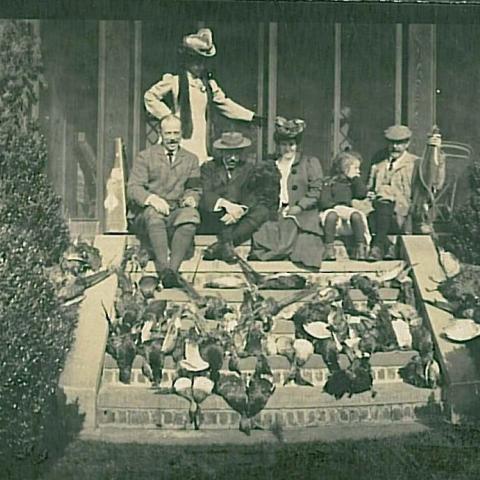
{"x":165,"y":189}
{"x":390,"y":188}
{"x":237,"y":196}
{"x":192,"y":93}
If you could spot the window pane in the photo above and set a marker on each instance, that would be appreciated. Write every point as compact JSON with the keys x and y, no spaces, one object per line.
{"x":69,"y":107}
{"x":368,"y":84}
{"x":305,"y":82}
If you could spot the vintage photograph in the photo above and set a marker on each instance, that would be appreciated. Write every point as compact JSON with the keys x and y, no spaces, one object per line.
{"x":239,"y":239}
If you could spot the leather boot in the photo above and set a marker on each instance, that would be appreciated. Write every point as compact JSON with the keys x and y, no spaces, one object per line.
{"x":376,"y":254}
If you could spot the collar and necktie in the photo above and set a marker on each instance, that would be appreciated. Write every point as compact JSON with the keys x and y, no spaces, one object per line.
{"x":171,"y":157}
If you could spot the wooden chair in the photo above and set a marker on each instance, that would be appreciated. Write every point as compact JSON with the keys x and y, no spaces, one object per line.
{"x":458,"y":158}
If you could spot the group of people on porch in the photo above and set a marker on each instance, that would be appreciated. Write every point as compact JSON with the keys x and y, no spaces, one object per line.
{"x":284,"y":204}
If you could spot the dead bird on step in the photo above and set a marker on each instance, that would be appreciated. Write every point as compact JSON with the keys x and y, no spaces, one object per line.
{"x":265,"y":309}
{"x":248,"y":399}
{"x":356,"y":378}
{"x":422,"y":371}
{"x":135,"y":259}
{"x":302,"y":351}
{"x":214,"y":308}
{"x":279,"y":281}
{"x":122,"y":347}
{"x":195,"y":390}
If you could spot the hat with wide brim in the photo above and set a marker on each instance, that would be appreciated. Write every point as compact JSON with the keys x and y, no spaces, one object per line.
{"x":398,"y":133}
{"x":200,"y":43}
{"x":318,"y":330}
{"x":231,"y":141}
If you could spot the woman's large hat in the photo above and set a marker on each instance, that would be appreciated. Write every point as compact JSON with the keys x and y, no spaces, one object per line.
{"x":231,"y":141}
{"x":200,"y":42}
{"x":289,"y":128}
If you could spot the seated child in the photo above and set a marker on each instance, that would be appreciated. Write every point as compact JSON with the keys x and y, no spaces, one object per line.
{"x":337,"y":215}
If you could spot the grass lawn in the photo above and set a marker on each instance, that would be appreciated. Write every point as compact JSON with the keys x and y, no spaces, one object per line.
{"x":444,"y":453}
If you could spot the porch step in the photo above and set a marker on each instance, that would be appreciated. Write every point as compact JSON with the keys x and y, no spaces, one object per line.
{"x":288,"y":407}
{"x":235,"y":296}
{"x":385,"y":367}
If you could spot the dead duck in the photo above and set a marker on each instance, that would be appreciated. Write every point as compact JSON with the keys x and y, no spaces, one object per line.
{"x":195,"y":390}
{"x":303,"y":350}
{"x":215,"y":308}
{"x":283,"y":281}
{"x":356,"y":378}
{"x":265,"y":309}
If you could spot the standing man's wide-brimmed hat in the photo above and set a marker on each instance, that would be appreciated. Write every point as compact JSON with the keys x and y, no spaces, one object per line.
{"x":398,"y":133}
{"x":200,"y":42}
{"x":231,"y":141}
{"x":288,"y":129}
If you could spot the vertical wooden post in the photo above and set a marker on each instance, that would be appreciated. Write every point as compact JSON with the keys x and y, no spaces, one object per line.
{"x":272,"y":81}
{"x":115,"y":109}
{"x":137,"y":90}
{"x":261,"y":87}
{"x":421,"y":83}
{"x":398,"y":72}
{"x":337,"y":88}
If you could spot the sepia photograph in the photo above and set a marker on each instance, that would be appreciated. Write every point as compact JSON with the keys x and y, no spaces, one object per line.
{"x":239,"y":239}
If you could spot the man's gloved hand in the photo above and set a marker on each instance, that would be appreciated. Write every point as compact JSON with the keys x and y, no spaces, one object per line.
{"x":188,"y":202}
{"x":259,"y":121}
{"x":159,"y":204}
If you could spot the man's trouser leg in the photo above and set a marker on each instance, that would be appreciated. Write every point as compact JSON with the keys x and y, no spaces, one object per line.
{"x":182,"y":239}
{"x":157,"y":233}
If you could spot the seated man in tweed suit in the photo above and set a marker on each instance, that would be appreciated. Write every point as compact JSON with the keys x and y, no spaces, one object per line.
{"x":165,"y":187}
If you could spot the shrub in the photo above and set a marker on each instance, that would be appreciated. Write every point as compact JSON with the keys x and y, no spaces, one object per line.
{"x":465,"y":227}
{"x":35,"y":332}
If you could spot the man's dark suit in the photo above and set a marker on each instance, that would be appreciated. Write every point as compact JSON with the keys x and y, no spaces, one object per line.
{"x":246,"y":185}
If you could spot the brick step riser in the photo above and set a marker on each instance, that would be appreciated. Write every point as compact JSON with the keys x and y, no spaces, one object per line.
{"x":317,"y":376}
{"x":285,"y":418}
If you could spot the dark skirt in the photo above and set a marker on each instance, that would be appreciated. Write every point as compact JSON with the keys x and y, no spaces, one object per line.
{"x":283,"y":239}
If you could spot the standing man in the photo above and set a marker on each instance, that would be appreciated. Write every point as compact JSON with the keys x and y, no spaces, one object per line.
{"x":192,"y":93}
{"x":390,"y":188}
{"x":165,"y":186}
{"x":238,"y":196}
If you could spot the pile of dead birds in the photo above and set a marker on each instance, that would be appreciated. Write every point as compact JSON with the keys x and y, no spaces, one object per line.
{"x":206,"y":338}
{"x":79,"y":269}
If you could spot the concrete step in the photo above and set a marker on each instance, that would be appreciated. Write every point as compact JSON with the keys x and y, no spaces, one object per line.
{"x":385,"y":367}
{"x":288,"y":407}
{"x":389,"y":295}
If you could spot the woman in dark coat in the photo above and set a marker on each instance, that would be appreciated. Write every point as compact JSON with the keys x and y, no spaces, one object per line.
{"x":294,"y":231}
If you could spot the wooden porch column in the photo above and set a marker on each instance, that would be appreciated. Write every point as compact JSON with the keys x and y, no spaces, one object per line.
{"x":421,"y":84}
{"x":272,"y":82}
{"x":114,"y":98}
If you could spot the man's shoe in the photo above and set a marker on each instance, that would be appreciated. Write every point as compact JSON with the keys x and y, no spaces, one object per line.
{"x":329,"y":253}
{"x":391,"y":253}
{"x":227,"y":253}
{"x":212,"y":252}
{"x":359,"y":252}
{"x":170,"y":279}
{"x":376,"y":254}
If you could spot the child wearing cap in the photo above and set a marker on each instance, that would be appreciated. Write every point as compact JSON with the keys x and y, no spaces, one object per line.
{"x":338,"y":215}
{"x":390,"y":188}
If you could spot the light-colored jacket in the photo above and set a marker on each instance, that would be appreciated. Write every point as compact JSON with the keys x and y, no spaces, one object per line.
{"x":155,"y":100}
{"x":395,"y":185}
